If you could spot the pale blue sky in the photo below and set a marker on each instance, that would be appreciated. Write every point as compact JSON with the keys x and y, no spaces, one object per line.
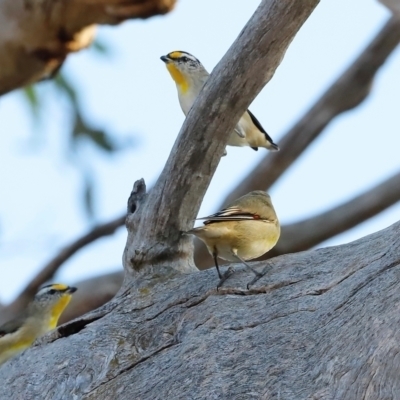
{"x":131,"y":91}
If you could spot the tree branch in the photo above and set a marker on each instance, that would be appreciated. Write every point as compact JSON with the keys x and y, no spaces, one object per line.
{"x":322,"y":324}
{"x":37,"y":35}
{"x":173,"y":203}
{"x":48,"y":271}
{"x":347,"y":92}
{"x":306,"y":234}
{"x":393,"y":5}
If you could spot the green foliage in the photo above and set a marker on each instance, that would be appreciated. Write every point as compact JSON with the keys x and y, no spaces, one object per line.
{"x":32,"y":97}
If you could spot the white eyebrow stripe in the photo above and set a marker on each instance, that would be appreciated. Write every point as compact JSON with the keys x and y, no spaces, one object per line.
{"x":44,"y":290}
{"x":186,"y":54}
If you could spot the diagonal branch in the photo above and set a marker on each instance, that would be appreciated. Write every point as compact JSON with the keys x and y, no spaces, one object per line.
{"x":173,"y":203}
{"x":347,"y":92}
{"x":48,"y":271}
{"x":393,"y":5}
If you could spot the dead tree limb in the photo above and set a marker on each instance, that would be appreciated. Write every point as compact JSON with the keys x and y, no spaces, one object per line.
{"x":37,"y":35}
{"x":322,"y":324}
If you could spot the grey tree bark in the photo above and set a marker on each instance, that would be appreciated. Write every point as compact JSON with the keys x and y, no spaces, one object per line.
{"x":322,"y":324}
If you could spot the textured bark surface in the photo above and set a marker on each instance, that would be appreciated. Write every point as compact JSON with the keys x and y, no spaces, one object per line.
{"x":37,"y":35}
{"x":321,"y":324}
{"x":92,"y":293}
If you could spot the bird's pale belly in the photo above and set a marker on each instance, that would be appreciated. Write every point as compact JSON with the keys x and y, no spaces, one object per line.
{"x":250,"y":239}
{"x":252,"y":250}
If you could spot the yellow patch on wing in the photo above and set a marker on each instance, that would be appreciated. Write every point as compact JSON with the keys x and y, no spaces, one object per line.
{"x":59,"y":286}
{"x":178,"y":77}
{"x":175,"y":54}
{"x":58,"y":309}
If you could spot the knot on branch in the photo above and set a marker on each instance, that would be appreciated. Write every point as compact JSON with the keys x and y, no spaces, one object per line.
{"x":137,"y":196}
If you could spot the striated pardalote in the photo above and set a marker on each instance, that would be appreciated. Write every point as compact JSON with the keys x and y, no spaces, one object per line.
{"x":244,"y":230}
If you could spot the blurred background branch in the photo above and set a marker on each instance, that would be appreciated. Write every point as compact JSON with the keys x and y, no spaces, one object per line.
{"x":50,"y":269}
{"x":305,"y":234}
{"x":35,"y":39}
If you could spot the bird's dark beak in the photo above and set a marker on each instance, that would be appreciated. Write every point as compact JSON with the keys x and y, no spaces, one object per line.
{"x":165,"y":59}
{"x":71,"y":289}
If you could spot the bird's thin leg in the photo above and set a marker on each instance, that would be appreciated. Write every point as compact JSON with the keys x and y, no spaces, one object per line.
{"x":264,"y":272}
{"x":224,"y":277}
{"x":216,"y":264}
{"x":227,"y":274}
{"x":247,"y":265}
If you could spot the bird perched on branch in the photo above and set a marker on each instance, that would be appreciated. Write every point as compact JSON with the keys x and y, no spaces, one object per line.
{"x":244,"y":230}
{"x":41,"y":316}
{"x":190,"y":76}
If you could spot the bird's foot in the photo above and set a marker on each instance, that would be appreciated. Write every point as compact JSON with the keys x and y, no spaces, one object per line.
{"x":225,"y":276}
{"x":258,"y":275}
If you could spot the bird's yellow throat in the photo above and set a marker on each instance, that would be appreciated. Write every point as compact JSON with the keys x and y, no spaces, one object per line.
{"x":178,"y":77}
{"x":57,"y":310}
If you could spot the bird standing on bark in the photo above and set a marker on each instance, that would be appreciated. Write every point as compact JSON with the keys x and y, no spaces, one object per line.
{"x":244,"y":230}
{"x":190,"y":76}
{"x":41,"y":316}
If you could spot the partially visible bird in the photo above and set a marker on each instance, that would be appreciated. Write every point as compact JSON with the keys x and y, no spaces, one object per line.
{"x":40,"y":316}
{"x":244,"y":230}
{"x":190,"y":76}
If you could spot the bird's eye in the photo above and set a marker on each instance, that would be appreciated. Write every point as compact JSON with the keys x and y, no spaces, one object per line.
{"x":185,"y":59}
{"x":52,"y":291}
